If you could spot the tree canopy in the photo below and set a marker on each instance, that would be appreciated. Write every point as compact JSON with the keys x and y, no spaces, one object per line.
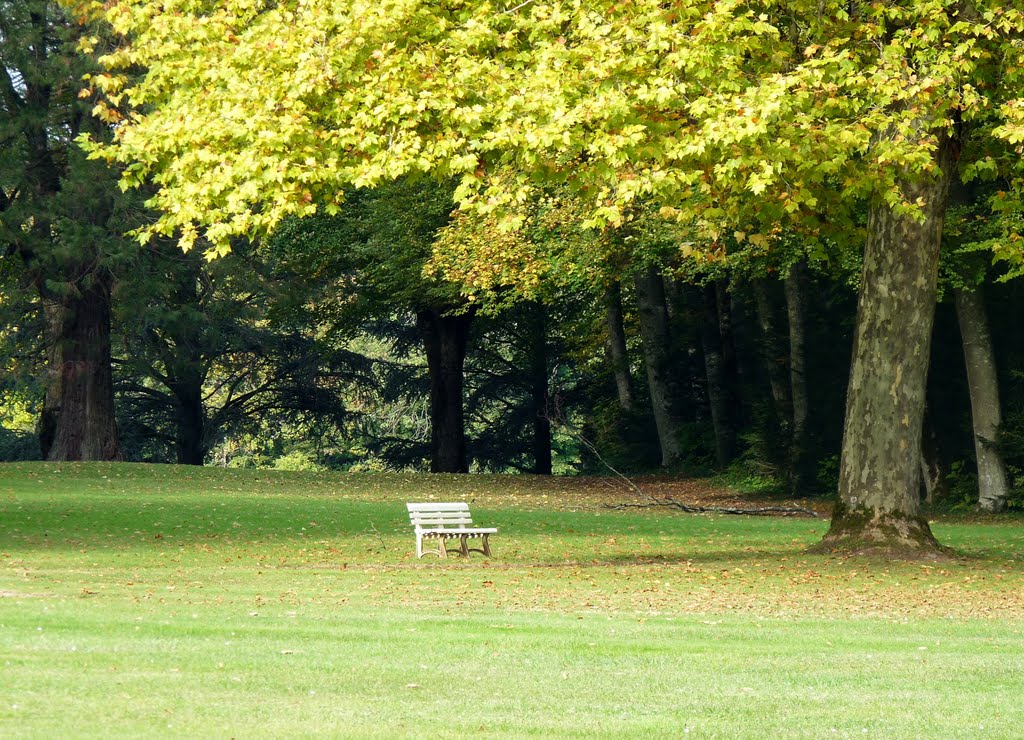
{"x":251,"y":111}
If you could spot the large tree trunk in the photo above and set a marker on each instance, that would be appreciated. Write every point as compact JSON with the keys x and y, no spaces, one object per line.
{"x":654,"y":332}
{"x":618,"y":357}
{"x":77,"y":420}
{"x":798,"y":453}
{"x":445,"y":338}
{"x":984,"y":388}
{"x":718,"y":387}
{"x":878,"y":509}
{"x":539,"y":393}
{"x":85,"y":428}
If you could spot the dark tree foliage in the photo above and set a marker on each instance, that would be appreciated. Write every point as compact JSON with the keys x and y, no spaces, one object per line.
{"x":372,"y":256}
{"x":215,"y":349}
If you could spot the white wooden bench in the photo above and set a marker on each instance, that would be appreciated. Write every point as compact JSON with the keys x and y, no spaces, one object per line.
{"x":447,"y":521}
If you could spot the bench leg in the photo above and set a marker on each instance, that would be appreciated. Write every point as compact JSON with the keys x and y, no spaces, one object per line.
{"x":442,"y":546}
{"x":441,"y":551}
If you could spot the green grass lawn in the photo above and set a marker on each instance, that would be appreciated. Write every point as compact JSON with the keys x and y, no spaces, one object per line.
{"x":165,"y":601}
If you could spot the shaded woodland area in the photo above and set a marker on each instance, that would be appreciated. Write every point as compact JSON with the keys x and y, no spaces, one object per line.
{"x":341,"y":341}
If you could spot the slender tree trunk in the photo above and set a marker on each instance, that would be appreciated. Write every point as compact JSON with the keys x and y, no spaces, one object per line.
{"x":985,"y":408}
{"x":732,"y":372}
{"x":186,"y":371}
{"x":714,"y":364}
{"x":539,"y":393}
{"x":654,"y":332}
{"x":878,"y":509}
{"x":618,"y":357}
{"x":798,"y":453}
{"x":932,"y":477}
{"x":688,"y":364}
{"x":85,"y":428}
{"x":774,"y":356}
{"x":445,"y":338}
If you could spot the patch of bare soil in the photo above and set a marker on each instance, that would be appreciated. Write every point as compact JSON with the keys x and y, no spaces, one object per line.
{"x":574,"y":494}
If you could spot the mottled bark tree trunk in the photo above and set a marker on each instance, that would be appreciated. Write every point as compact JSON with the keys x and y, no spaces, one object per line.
{"x":985,"y":407}
{"x":714,"y":364}
{"x":539,"y":393}
{"x":615,"y":345}
{"x":654,"y":332}
{"x":878,"y":509}
{"x":798,"y":452}
{"x":85,"y":428}
{"x":445,"y":338}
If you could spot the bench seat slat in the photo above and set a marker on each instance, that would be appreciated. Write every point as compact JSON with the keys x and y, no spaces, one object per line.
{"x":459,"y":506}
{"x":473,"y":531}
{"x":440,"y":520}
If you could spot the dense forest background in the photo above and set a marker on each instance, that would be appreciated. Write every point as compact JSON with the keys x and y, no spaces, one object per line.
{"x":340,"y":342}
{"x":312,"y":352}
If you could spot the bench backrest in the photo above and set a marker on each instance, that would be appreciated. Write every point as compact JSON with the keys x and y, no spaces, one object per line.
{"x":435,"y":516}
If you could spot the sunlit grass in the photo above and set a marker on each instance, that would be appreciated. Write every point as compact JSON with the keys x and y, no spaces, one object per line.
{"x":141,"y":600}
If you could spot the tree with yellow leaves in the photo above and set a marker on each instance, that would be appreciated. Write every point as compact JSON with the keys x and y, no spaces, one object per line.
{"x":730,"y":116}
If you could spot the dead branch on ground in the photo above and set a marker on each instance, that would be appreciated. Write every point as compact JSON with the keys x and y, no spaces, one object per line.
{"x":761,"y":511}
